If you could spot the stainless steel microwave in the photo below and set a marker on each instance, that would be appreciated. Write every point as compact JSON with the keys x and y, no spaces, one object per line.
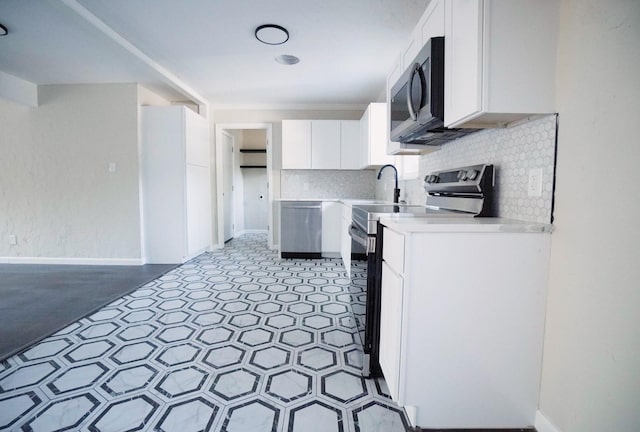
{"x":416,"y":113}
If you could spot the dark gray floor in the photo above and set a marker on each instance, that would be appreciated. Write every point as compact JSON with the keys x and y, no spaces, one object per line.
{"x":38,"y":300}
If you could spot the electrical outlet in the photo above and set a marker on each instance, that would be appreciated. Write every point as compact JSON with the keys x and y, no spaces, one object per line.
{"x":13,"y":240}
{"x":113,"y":167}
{"x":535,"y":182}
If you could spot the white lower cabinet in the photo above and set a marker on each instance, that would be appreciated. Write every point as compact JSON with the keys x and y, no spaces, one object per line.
{"x":391,"y":331}
{"x":345,"y":238}
{"x":462,"y":324}
{"x":331,"y":218}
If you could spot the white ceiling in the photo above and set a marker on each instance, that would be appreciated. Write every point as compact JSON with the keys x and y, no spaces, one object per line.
{"x":206,"y":48}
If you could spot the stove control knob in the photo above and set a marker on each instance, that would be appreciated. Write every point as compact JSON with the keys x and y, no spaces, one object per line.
{"x":462,"y":175}
{"x":472,"y":174}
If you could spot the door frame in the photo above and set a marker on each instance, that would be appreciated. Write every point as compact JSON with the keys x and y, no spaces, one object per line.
{"x":222,"y":174}
{"x":220,"y":128}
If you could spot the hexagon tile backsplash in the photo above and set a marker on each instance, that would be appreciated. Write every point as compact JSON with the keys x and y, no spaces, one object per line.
{"x":514,"y":152}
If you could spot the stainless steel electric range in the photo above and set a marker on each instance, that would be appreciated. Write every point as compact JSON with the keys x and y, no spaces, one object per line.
{"x":458,"y":193}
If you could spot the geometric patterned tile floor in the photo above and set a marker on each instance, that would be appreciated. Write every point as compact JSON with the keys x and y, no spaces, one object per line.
{"x":235,"y":340}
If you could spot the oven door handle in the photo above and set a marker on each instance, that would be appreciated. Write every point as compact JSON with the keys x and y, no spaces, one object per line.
{"x":357,"y":234}
{"x":360,"y":237}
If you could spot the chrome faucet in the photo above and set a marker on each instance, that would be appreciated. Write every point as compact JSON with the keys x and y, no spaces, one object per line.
{"x":396,"y":191}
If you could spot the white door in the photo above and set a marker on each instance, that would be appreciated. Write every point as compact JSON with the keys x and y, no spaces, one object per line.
{"x":227,"y":184}
{"x":255,"y":199}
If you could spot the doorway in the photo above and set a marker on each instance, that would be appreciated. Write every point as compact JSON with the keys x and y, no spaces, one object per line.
{"x":244,"y":180}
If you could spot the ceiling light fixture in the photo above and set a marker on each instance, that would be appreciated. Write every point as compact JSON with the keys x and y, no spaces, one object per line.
{"x":287,"y":59}
{"x":3,"y":30}
{"x":272,"y":34}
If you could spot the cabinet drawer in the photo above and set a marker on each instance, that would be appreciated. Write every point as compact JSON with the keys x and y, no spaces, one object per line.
{"x":393,"y":250}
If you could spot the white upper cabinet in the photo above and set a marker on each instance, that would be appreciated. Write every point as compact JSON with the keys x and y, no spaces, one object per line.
{"x":431,"y":23}
{"x":197,"y":139}
{"x":500,"y":58}
{"x":499,"y":61}
{"x":373,"y":136}
{"x":408,"y":167}
{"x":350,"y":145}
{"x":320,"y":144}
{"x":325,"y":144}
{"x":296,"y":144}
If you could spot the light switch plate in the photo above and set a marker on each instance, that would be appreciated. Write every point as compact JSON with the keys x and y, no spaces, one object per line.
{"x":534,"y":188}
{"x":13,"y":240}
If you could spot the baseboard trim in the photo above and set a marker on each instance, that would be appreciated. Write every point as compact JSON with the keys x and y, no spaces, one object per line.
{"x":73,"y":261}
{"x":543,"y":424}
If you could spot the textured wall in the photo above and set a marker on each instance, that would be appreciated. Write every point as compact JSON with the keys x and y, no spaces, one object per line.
{"x":327,"y":184}
{"x":513,"y":151}
{"x":591,"y":363}
{"x":56,"y":194}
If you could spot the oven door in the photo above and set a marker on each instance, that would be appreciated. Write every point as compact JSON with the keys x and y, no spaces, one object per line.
{"x":358,"y":282}
{"x":364,"y":291}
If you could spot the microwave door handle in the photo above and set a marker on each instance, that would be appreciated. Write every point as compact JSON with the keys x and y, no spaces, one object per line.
{"x":412,"y":110}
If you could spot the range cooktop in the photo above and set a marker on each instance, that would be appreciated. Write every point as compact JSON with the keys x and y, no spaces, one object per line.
{"x":367,"y":216}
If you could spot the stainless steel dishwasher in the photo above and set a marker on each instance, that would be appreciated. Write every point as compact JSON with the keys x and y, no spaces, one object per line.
{"x":300,"y":229}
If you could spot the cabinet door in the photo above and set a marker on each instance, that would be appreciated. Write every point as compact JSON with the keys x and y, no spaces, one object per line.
{"x":331,"y":217}
{"x":296,"y":144}
{"x":374,"y":133}
{"x":413,"y":46}
{"x":432,"y":22}
{"x":463,"y":59}
{"x":196,"y":138}
{"x":350,"y":145}
{"x":198,"y":209}
{"x":378,"y":133}
{"x":391,"y":328}
{"x":345,"y":246}
{"x":325,"y":144}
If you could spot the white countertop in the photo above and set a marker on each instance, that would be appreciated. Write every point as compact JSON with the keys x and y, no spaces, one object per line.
{"x":463,"y":225}
{"x":347,"y":201}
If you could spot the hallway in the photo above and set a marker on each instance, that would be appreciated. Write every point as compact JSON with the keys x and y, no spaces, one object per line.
{"x":235,"y":340}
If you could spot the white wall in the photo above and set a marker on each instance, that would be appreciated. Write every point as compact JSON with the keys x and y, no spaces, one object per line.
{"x":591,"y":364}
{"x":56,"y":193}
